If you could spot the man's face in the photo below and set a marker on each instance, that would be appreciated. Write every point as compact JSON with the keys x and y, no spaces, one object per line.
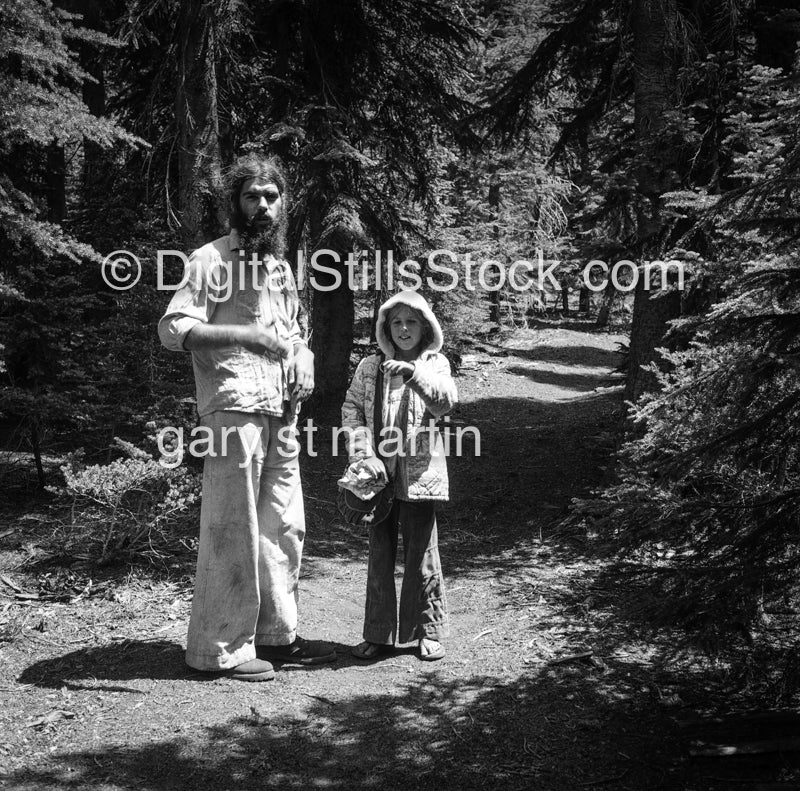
{"x":260,"y":203}
{"x":260,"y":218}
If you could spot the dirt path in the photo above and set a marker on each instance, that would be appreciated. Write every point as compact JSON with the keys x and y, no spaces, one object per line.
{"x":95,"y":694}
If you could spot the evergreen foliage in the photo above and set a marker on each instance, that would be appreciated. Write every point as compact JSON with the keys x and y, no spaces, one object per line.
{"x":705,"y":486}
{"x":363,"y":100}
{"x":49,"y":277}
{"x":710,"y":488}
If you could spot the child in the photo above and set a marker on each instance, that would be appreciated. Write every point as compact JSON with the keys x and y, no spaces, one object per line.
{"x":417,"y":389}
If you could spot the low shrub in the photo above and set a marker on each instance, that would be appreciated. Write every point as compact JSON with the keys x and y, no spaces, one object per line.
{"x":131,"y":505}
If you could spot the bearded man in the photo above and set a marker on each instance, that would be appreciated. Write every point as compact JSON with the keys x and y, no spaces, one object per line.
{"x":237,"y":314}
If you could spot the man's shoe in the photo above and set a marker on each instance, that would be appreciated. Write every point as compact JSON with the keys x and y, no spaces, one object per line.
{"x":300,"y":652}
{"x":252,"y":670}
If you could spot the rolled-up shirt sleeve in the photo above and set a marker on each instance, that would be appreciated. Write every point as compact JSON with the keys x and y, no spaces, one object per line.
{"x":190,"y":304}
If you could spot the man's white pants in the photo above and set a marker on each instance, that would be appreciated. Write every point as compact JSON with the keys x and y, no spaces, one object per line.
{"x":252,"y":527}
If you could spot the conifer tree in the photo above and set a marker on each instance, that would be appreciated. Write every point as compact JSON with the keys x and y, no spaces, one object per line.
{"x":359,"y":99}
{"x":47,"y":275}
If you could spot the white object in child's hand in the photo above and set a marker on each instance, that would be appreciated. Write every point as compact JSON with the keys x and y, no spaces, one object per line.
{"x":361,"y":481}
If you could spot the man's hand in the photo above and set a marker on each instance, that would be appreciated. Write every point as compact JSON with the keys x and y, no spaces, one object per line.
{"x":375,"y":466}
{"x":398,"y":368}
{"x":301,"y":372}
{"x":258,"y":339}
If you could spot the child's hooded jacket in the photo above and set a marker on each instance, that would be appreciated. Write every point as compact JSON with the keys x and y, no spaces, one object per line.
{"x":432,"y":394}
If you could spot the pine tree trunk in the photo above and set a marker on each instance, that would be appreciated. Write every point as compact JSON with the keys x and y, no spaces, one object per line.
{"x":332,"y":317}
{"x":654,"y":100}
{"x":93,"y":91}
{"x":648,"y":328}
{"x":609,"y":295}
{"x":37,"y":454}
{"x":201,"y":33}
{"x":584,"y":300}
{"x":94,"y":96}
{"x":332,"y":339}
{"x":56,"y":184}
{"x":495,"y":202}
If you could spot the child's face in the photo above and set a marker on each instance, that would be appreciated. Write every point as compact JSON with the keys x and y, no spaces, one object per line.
{"x":406,"y":330}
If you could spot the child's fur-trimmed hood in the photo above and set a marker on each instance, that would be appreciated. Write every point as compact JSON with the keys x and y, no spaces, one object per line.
{"x":413,"y":300}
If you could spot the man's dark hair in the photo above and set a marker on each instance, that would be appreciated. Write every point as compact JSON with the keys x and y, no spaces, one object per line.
{"x":251,"y":166}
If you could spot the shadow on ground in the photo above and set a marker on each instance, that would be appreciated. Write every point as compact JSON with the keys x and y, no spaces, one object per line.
{"x":559,"y":729}
{"x":534,"y":458}
{"x":572,"y":355}
{"x":125,"y":660}
{"x":99,"y":667}
{"x":565,"y":379}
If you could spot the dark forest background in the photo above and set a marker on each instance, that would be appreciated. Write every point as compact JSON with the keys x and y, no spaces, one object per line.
{"x":606,"y":129}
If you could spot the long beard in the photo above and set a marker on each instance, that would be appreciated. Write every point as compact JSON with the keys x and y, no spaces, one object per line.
{"x":263,"y":241}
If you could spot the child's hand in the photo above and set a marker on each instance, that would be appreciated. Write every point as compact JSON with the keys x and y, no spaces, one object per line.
{"x":398,"y":368}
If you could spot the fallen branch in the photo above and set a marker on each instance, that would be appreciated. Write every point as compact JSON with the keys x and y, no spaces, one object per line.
{"x":320,"y":698}
{"x":11,"y":584}
{"x":582,"y":657}
{"x":748,"y":748}
{"x":52,"y":717}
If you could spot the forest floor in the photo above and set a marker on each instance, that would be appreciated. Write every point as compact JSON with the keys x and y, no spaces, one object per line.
{"x":550,"y":680}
